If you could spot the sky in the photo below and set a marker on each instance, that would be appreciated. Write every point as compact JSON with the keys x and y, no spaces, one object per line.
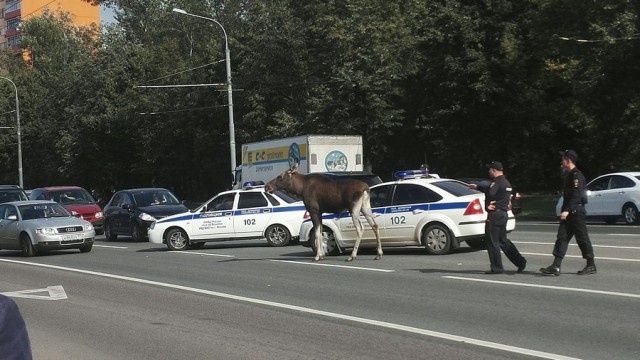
{"x":106,"y":15}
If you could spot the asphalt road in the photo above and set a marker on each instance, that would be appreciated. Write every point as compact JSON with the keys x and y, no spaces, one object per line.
{"x":244,"y":300}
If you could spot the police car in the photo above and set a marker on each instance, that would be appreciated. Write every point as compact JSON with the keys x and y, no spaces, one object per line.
{"x":415,"y":210}
{"x":250,"y":213}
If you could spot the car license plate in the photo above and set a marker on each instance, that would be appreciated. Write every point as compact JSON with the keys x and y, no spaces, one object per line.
{"x":70,"y":237}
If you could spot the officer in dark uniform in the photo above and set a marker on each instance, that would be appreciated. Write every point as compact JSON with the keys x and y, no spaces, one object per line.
{"x":14,"y":340}
{"x":572,"y":218}
{"x":497,"y":199}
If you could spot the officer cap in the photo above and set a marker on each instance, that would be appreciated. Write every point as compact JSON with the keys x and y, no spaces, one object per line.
{"x":495,"y":165}
{"x":570,"y":154}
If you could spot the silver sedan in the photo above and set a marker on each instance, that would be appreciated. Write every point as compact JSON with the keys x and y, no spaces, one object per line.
{"x":38,"y":226}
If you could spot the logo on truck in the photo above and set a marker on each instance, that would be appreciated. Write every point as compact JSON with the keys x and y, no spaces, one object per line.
{"x":294,"y":155}
{"x":336,"y":161}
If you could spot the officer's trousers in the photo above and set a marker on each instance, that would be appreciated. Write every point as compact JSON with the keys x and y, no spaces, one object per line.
{"x":574,"y":225}
{"x":496,"y":237}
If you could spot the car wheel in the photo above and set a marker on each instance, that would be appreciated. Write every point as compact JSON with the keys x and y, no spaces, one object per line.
{"x":86,"y":248}
{"x":196,"y":245}
{"x":277,"y":235}
{"x":329,"y":239}
{"x":136,"y":232}
{"x":27,"y":247}
{"x":630,"y":214}
{"x":108,"y":233}
{"x":177,"y":240}
{"x":477,"y":244}
{"x":100,"y":232}
{"x":437,"y":239}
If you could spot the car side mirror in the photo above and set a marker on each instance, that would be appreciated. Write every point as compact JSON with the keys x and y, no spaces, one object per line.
{"x":12,"y":217}
{"x":127,"y":207}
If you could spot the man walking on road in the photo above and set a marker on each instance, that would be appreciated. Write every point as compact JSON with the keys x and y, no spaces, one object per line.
{"x":497,"y":199}
{"x":572,"y":218}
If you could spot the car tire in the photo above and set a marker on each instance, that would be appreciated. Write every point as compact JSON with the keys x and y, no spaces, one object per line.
{"x":108,"y":232}
{"x":86,"y":248}
{"x":277,"y":235}
{"x":177,"y":240}
{"x":136,"y":232}
{"x":437,"y":239}
{"x":630,"y":214}
{"x":26,"y":246}
{"x":477,"y":244}
{"x":329,"y":238}
{"x":100,"y":232}
{"x":196,"y":245}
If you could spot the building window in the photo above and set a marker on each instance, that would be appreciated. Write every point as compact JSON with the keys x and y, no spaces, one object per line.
{"x":12,"y":6}
{"x":13,"y":23}
{"x":14,"y":41}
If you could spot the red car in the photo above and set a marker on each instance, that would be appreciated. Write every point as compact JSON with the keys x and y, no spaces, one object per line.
{"x":76,"y":200}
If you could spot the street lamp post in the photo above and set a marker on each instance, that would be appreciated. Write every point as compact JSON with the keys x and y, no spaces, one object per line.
{"x":19,"y":135}
{"x":232,"y":136}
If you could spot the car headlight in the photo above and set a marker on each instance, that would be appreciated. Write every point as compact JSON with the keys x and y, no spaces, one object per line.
{"x":87,"y":227}
{"x":99,"y":215}
{"x":153,"y":225}
{"x":46,"y":231}
{"x":146,"y":217}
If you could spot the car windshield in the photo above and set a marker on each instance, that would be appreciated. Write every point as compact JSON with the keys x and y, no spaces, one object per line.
{"x":11,"y":195}
{"x":155,"y":198}
{"x":455,"y":188}
{"x":42,"y":211}
{"x":288,"y":197}
{"x":73,"y":196}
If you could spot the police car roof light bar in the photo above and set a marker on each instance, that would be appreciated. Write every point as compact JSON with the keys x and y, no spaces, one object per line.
{"x":252,"y":184}
{"x":410,"y":174}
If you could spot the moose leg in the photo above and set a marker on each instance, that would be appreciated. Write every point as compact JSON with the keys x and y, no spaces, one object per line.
{"x":368,"y":214}
{"x":317,"y":230}
{"x":355,"y":217}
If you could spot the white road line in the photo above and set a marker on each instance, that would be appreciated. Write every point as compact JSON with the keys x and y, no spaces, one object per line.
{"x":601,"y":292}
{"x":571,"y":244}
{"x":111,"y":246}
{"x":332,"y":265}
{"x":199,"y":253}
{"x":383,"y":324}
{"x":580,"y":257}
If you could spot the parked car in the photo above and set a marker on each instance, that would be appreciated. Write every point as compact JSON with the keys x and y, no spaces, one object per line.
{"x":516,"y":198}
{"x":131,"y":211}
{"x":36,"y":226}
{"x":12,"y":193}
{"x":75,"y":199}
{"x":436,"y":213}
{"x":233,"y":215}
{"x":613,"y":196}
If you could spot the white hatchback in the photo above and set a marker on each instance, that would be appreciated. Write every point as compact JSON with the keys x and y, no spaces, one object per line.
{"x":232,"y":215}
{"x":438,"y":214}
{"x":613,"y":196}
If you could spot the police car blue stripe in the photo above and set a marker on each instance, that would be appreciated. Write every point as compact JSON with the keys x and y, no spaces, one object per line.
{"x":404,"y":209}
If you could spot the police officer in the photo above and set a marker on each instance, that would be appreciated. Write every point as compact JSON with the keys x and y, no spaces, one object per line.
{"x":572,"y":218}
{"x":497,"y":199}
{"x":14,"y":340}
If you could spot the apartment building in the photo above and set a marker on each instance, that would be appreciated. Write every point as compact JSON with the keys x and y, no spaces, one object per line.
{"x":12,"y":12}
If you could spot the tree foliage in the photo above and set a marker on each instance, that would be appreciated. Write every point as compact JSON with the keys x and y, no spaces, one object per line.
{"x":452,"y":83}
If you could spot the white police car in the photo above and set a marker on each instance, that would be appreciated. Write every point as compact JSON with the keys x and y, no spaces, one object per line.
{"x":233,"y":215}
{"x":415,"y":210}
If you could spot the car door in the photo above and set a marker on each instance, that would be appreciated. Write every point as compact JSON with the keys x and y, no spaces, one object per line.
{"x":409,"y":205}
{"x":252,"y":215}
{"x":379,"y":198}
{"x":9,"y":228}
{"x":596,"y":190}
{"x":215,"y":220}
{"x":614,"y":198}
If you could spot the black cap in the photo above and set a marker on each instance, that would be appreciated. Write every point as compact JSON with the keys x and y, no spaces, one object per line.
{"x":570,"y":154}
{"x":495,"y":165}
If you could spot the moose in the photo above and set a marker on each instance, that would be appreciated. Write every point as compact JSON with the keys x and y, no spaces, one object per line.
{"x":321,"y":194}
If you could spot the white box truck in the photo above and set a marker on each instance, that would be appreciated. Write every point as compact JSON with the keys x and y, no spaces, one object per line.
{"x":264,"y":160}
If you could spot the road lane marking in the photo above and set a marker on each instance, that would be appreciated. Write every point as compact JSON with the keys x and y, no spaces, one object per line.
{"x":601,"y":292}
{"x":382,"y":324}
{"x":111,"y":246}
{"x":53,"y":293}
{"x":332,"y":265}
{"x":580,"y":257}
{"x":595,"y":246}
{"x":200,"y":253}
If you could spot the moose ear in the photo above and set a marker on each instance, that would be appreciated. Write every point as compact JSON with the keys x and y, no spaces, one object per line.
{"x":294,"y":168}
